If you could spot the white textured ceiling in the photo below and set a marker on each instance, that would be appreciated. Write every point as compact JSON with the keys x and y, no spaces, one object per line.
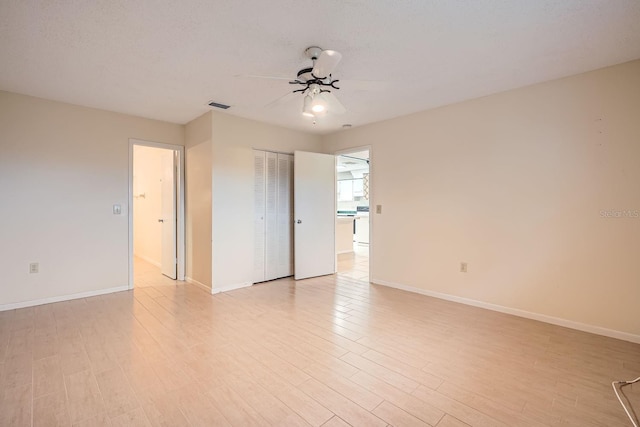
{"x":167,"y":59}
{"x":353,"y":161}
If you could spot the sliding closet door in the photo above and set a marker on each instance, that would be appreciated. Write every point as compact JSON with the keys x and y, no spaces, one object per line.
{"x":259,"y":212}
{"x":273,"y":256}
{"x":271,"y":218}
{"x":285,"y":215}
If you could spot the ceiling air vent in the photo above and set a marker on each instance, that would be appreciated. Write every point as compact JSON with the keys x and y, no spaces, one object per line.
{"x":218,"y":105}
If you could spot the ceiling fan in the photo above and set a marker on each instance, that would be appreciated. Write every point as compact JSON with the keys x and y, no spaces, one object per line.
{"x":317,"y":83}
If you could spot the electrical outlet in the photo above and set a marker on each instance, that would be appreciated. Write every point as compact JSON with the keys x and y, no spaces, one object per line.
{"x":34,"y":267}
{"x":463,"y":267}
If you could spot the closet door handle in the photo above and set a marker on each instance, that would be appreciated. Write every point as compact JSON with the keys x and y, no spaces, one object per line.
{"x":299,"y":221}
{"x":161,"y":220}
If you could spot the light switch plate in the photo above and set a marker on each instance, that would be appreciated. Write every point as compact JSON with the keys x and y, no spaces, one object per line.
{"x":117,"y":209}
{"x":378,"y":209}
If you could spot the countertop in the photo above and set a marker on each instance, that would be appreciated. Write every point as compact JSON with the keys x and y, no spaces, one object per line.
{"x":347,"y":218}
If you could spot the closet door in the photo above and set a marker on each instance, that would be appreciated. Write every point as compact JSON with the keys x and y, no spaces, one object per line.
{"x":285,"y":215}
{"x":259,"y":158}
{"x":271,"y":218}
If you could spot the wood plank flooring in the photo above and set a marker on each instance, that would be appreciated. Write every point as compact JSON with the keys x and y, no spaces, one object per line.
{"x":329,"y":351}
{"x":355,"y":265}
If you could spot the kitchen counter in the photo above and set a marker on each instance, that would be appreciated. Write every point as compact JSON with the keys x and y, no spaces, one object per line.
{"x":362,"y":228}
{"x":344,"y":234}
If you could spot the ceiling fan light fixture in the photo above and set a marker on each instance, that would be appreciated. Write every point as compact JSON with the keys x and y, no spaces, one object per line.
{"x":318,"y":99}
{"x":307,"y":109}
{"x":319,"y":104}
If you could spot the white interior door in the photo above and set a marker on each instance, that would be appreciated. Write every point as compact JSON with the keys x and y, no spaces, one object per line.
{"x":314,"y":214}
{"x":168,"y":214}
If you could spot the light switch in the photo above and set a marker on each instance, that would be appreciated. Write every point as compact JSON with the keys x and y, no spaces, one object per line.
{"x":117,"y":209}
{"x":378,"y":209}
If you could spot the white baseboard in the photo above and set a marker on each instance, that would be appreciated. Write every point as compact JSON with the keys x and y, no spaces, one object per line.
{"x":198,"y":284}
{"x":149,"y":260}
{"x":625,"y":336}
{"x":31,"y":303}
{"x":217,"y":290}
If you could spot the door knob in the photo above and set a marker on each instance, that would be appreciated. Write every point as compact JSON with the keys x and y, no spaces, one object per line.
{"x":161,"y":220}
{"x":299,"y":221}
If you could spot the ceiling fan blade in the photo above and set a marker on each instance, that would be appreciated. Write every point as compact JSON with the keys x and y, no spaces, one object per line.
{"x":325,"y":63}
{"x":333,"y":105}
{"x":253,"y":76}
{"x":281,"y":100}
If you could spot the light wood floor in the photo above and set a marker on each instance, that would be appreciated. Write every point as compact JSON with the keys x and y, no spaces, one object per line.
{"x":355,"y":264}
{"x":146,"y":274}
{"x":329,"y":351}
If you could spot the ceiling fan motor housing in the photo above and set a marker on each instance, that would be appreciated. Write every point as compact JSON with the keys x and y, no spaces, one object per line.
{"x":313,"y":52}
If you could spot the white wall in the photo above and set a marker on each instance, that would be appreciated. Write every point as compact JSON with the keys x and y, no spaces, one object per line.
{"x":62,"y":167}
{"x":515,"y":184}
{"x":147,"y":202}
{"x":198,"y":166}
{"x":233,"y":140}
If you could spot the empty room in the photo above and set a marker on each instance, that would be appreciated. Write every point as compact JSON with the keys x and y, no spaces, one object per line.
{"x":334,"y":213}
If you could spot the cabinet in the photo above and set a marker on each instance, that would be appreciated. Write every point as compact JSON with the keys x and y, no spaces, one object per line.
{"x":349,"y":189}
{"x":273,"y":215}
{"x":362,"y":229}
{"x":345,"y":191}
{"x":358,"y":187}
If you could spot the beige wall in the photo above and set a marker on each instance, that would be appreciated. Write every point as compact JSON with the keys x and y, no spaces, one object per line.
{"x":62,"y":168}
{"x":516,"y":184}
{"x":198,"y":199}
{"x":233,"y":181}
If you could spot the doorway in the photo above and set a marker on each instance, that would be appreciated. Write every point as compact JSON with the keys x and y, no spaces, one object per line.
{"x":353,"y":188}
{"x":156,"y":225}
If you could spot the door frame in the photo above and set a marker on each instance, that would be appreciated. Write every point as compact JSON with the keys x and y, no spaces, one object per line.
{"x":180,"y":225}
{"x":371,"y":198}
